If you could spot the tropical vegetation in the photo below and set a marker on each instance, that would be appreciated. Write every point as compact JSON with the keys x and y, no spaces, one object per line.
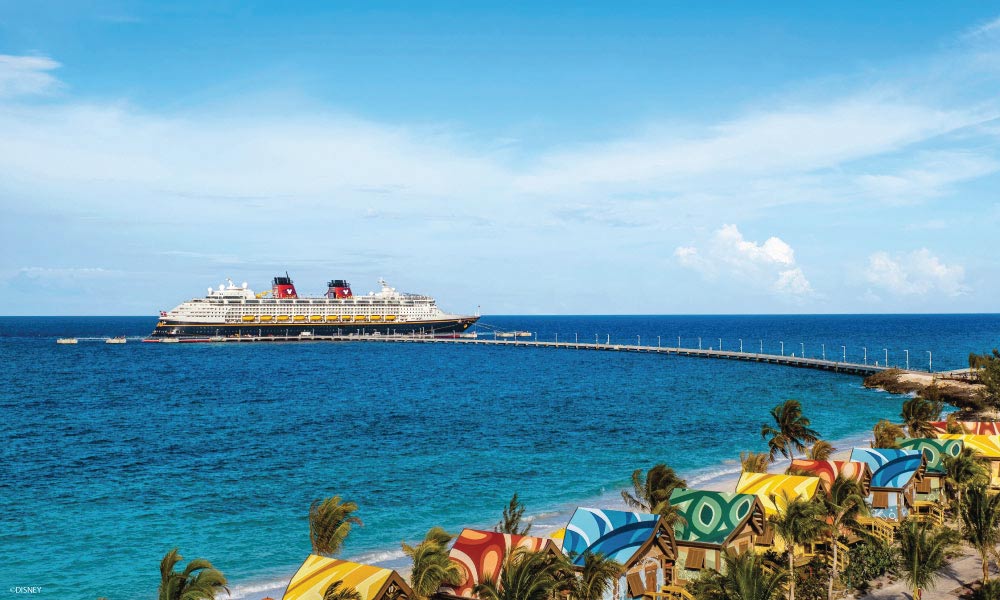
{"x":885,"y":434}
{"x":754,"y":462}
{"x":338,"y":591}
{"x":596,"y":578}
{"x":843,"y":505}
{"x":430,"y":565}
{"x":198,"y":581}
{"x":651,"y":493}
{"x":918,"y":413}
{"x":821,"y":450}
{"x":964,"y":470}
{"x":981,"y":523}
{"x":922,"y":550}
{"x":791,"y":431}
{"x":745,"y":576}
{"x":330,"y":522}
{"x":510,"y":521}
{"x":525,"y":575}
{"x":799,"y":521}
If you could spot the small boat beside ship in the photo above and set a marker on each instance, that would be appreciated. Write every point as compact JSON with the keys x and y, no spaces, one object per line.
{"x":513,"y":334}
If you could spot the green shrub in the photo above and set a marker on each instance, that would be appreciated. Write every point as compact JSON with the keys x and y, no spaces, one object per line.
{"x":868,"y":561}
{"x":989,"y":591}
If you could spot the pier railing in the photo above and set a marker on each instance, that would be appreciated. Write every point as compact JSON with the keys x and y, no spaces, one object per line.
{"x":786,"y":360}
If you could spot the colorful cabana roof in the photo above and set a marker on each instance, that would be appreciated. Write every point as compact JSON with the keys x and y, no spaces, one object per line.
{"x":713,"y":518}
{"x":934,"y":451}
{"x":891,"y":469}
{"x":318,"y":572}
{"x":971,"y":427}
{"x":986,"y":445}
{"x":829,"y":470}
{"x":619,"y":535}
{"x":480,"y":555}
{"x":772,"y":489}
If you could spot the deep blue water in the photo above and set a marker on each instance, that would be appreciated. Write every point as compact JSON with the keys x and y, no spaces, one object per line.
{"x":112,"y":455}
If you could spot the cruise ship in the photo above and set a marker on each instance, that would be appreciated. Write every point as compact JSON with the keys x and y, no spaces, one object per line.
{"x":236,"y":311}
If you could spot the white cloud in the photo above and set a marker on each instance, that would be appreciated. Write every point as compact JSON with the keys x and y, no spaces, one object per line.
{"x":916,"y":273}
{"x":789,"y":139}
{"x":771,"y":264}
{"x":987,"y":28}
{"x":26,"y":75}
{"x":933,"y":174}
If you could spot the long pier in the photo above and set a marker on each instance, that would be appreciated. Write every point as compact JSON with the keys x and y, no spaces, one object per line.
{"x":789,"y":361}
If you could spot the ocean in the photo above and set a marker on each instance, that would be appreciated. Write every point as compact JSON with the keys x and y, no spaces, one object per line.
{"x":113,"y":455}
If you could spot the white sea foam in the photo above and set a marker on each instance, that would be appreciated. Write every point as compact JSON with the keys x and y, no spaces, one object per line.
{"x":256,"y":591}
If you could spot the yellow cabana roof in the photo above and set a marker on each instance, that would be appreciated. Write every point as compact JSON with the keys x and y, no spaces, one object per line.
{"x":772,"y":488}
{"x":318,"y":572}
{"x":558,"y":534}
{"x":987,"y":445}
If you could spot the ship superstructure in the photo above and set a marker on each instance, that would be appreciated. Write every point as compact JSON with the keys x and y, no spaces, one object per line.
{"x":232,"y":310}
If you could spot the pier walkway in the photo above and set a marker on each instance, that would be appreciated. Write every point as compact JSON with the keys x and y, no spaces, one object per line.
{"x":790,"y":361}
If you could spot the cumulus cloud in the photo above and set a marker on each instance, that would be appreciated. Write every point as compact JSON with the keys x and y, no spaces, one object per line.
{"x":727,"y":252}
{"x":916,"y":273}
{"x":26,"y":75}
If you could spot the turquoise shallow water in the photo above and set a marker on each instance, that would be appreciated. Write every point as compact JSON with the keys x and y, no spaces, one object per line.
{"x":114,"y":454}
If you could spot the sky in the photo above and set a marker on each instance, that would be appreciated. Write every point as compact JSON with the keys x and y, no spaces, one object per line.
{"x":525,"y":158}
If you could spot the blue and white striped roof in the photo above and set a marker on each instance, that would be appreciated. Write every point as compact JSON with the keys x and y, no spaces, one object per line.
{"x":891,"y":469}
{"x":614,"y":533}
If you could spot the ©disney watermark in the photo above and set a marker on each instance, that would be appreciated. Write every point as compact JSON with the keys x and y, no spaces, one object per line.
{"x":25,"y":589}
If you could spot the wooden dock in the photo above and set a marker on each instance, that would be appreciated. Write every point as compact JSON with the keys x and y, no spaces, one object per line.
{"x":775,"y":359}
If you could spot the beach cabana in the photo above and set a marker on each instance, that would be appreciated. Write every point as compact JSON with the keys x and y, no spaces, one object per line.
{"x":894,"y":476}
{"x":970,"y":427}
{"x":480,"y":555}
{"x":987,"y":446}
{"x":931,"y":487}
{"x":772,"y":489}
{"x":317,"y":573}
{"x":642,"y":543}
{"x":829,"y":470}
{"x":712,"y":523}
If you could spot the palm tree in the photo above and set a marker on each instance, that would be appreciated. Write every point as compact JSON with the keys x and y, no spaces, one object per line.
{"x":885,"y":434}
{"x":511,"y":520}
{"x":981,"y":517}
{"x":990,"y":590}
{"x":798,"y":522}
{"x":844,"y":504}
{"x":743,"y":578}
{"x":431,"y":566}
{"x":337,"y":591}
{"x":330,"y":521}
{"x":199,"y":580}
{"x":918,"y":413}
{"x":821,"y":450}
{"x":922,"y":551}
{"x":964,"y":470}
{"x":525,"y":575}
{"x":790,"y":432}
{"x":754,"y":462}
{"x":651,"y":493}
{"x":597,"y":577}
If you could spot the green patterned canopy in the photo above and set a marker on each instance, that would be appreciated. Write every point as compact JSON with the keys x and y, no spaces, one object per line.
{"x":712,"y":517}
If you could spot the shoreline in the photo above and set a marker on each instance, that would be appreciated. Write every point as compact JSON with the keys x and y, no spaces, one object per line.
{"x":720,"y":477}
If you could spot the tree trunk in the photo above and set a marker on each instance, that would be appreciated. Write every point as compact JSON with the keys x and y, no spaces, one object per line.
{"x":833,"y":571}
{"x":791,"y":572}
{"x":986,"y":565}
